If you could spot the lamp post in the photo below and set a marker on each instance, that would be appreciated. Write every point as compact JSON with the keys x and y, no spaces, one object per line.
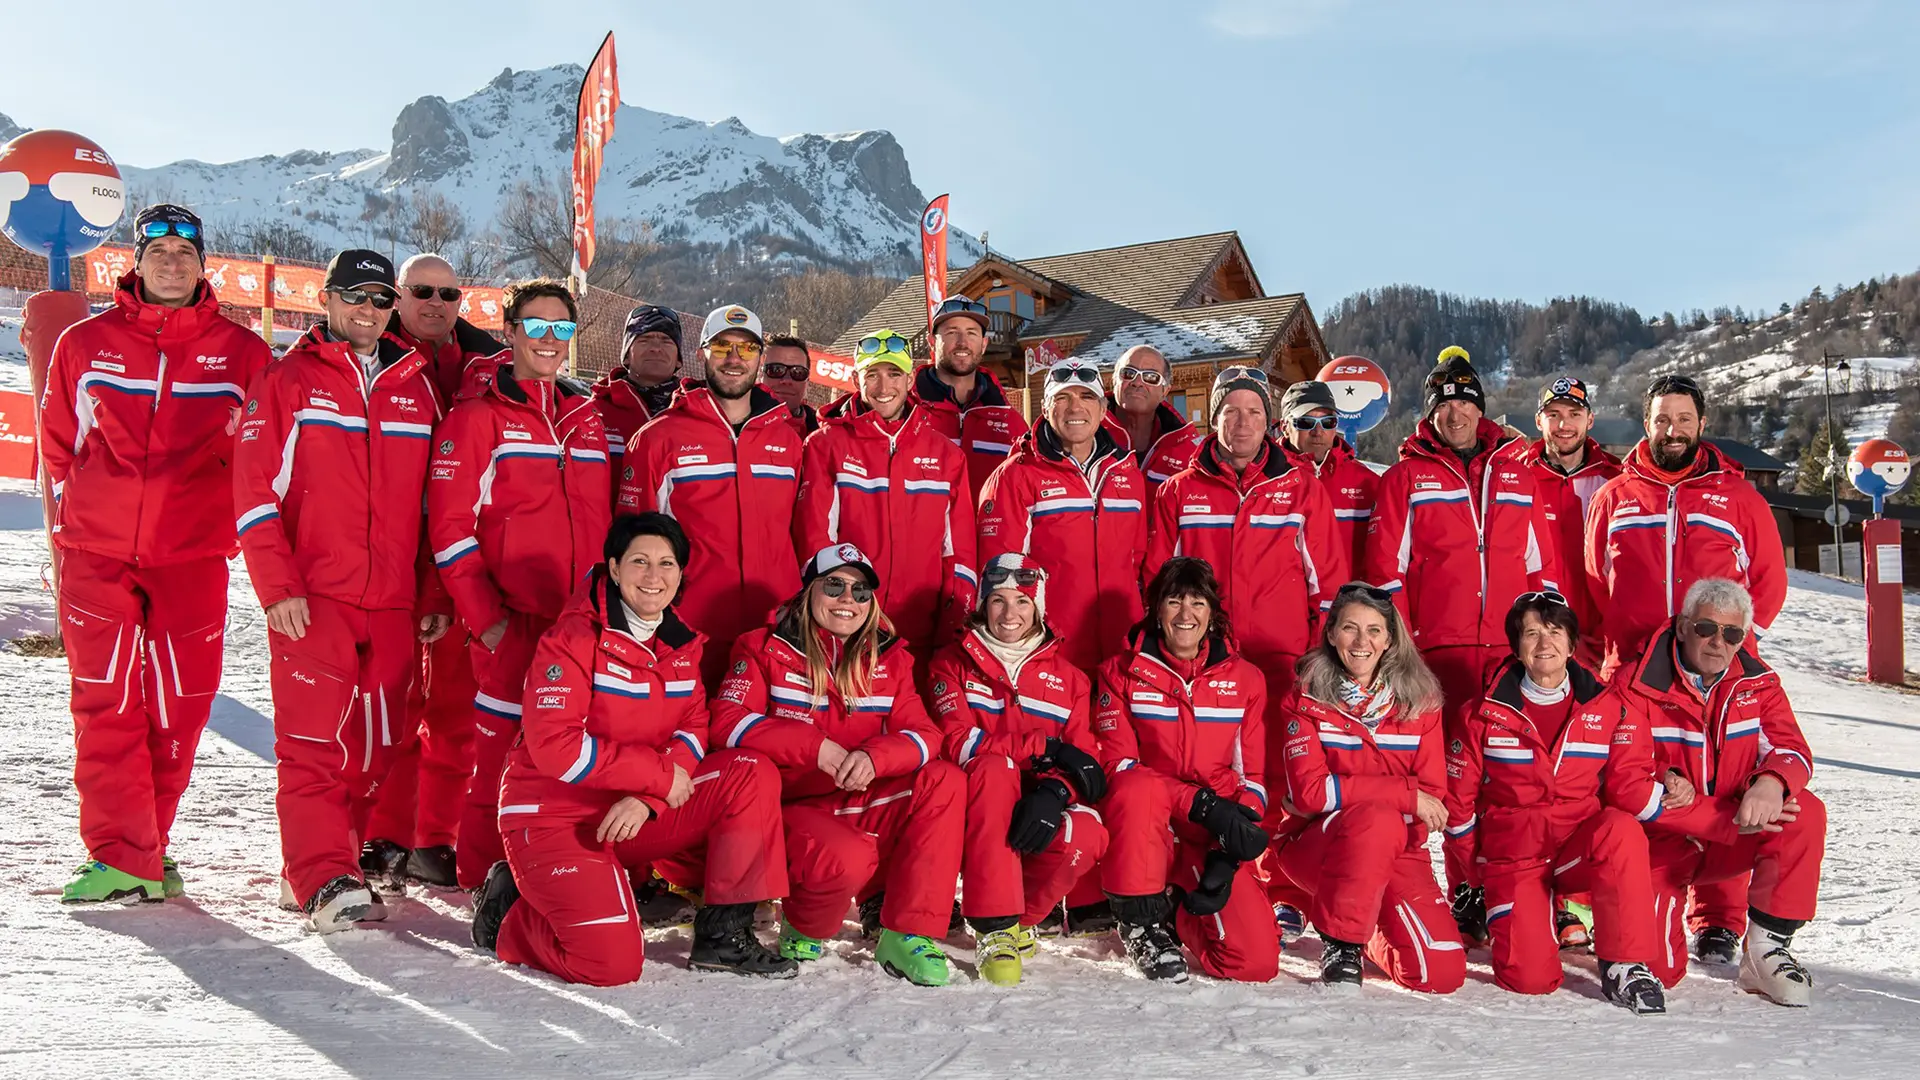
{"x":1833,"y":454}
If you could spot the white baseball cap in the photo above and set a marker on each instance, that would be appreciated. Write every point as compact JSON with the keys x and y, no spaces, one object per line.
{"x":730,"y":317}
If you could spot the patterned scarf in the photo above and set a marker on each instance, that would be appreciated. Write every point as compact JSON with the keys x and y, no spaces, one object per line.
{"x":1367,"y":706}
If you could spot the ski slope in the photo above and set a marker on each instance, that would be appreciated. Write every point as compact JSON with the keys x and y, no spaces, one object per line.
{"x":226,"y":985}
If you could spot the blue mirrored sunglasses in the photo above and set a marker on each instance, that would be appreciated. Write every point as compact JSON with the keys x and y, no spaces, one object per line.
{"x":561,"y":329}
{"x":185,"y":230}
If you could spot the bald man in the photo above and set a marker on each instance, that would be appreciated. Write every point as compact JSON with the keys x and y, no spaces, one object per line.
{"x":1139,"y":418}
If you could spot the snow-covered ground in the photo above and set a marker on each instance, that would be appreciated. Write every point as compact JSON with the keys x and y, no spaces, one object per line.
{"x":225,"y":985}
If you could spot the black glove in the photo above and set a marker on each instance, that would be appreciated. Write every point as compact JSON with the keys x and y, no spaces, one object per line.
{"x":1216,"y":884}
{"x":1236,"y":826}
{"x":1036,"y":817}
{"x":1079,"y":767}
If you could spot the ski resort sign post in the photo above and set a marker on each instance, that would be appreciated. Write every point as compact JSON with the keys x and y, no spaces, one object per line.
{"x":1879,"y":468}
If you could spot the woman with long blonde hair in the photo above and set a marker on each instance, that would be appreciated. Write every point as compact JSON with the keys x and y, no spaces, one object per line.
{"x":827,"y":694}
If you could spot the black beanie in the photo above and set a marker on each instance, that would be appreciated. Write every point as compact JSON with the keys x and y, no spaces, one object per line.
{"x":177,"y":216}
{"x":645,"y":319}
{"x":1453,"y":379}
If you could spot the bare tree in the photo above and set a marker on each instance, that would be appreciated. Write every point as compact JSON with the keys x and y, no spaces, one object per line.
{"x":432,"y":223}
{"x":535,"y":225}
{"x":826,"y":302}
{"x":285,"y":239}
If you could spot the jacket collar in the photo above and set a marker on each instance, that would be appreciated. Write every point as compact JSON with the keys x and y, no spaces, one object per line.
{"x":607,"y":610}
{"x":1339,"y":455}
{"x":156,"y":318}
{"x":1425,"y":442}
{"x":1166,"y":421}
{"x":1659,"y":672}
{"x":1597,"y":457}
{"x":1276,"y":465}
{"x":986,"y":390}
{"x":1506,"y":685}
{"x":1708,"y":460}
{"x":1046,"y":442}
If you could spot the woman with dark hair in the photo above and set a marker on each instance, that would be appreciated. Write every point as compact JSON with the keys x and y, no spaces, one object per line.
{"x":611,"y":772}
{"x":1180,"y":716}
{"x":1365,"y":777}
{"x":1014,"y":716}
{"x":1547,"y":789}
{"x":827,"y":693}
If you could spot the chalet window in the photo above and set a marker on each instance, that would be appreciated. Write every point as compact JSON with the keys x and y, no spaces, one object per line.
{"x":1023,"y":305}
{"x":1000,"y":301}
{"x":1179,"y":401}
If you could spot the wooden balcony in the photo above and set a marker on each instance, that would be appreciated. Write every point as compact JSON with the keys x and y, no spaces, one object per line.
{"x":1003,"y":337}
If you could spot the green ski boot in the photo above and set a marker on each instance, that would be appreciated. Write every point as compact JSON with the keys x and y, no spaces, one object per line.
{"x":99,"y":882}
{"x":1026,"y":941}
{"x":174,"y":885}
{"x":998,"y":952}
{"x":912,"y":957}
{"x":795,"y":945}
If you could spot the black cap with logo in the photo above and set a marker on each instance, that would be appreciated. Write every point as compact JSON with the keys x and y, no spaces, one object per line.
{"x":357,"y":268}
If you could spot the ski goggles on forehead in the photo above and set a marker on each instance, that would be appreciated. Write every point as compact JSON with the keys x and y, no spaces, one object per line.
{"x":883,"y":343}
{"x":959,"y":307}
{"x":1026,"y":577}
{"x":561,"y":329}
{"x":185,"y":230}
{"x":1069,"y":374}
{"x":1706,"y":628}
{"x":1551,"y":596}
{"x":837,"y":587}
{"x":1253,"y":373}
{"x":1361,"y":588}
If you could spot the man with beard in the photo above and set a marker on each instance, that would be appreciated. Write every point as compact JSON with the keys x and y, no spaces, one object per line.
{"x":1569,"y":468}
{"x":1681,"y":511}
{"x":964,"y":403}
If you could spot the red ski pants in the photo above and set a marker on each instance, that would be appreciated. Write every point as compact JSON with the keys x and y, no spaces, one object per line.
{"x":1606,"y":856}
{"x":576,"y":915}
{"x":1463,"y":671}
{"x":501,"y":676}
{"x":903,"y":834}
{"x":339,"y":699}
{"x":143,"y":650}
{"x":426,"y":791}
{"x":1373,"y":884}
{"x":998,"y":881}
{"x":1719,"y":903}
{"x":1153,"y":845}
{"x":1785,"y":867}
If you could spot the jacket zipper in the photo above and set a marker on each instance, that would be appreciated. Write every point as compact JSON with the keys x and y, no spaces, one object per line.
{"x":1673,"y":497}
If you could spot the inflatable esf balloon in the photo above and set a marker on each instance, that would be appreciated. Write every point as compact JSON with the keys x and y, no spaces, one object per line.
{"x":1879,"y":468}
{"x":1361,"y":392}
{"x":60,"y":196}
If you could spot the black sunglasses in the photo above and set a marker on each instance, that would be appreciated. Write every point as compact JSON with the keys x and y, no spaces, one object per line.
{"x":1024,"y":576}
{"x":1308,"y":423}
{"x":1706,"y":628}
{"x":382,"y":301}
{"x":959,"y":306}
{"x":1078,"y":373}
{"x":785,"y":371}
{"x":837,"y":587}
{"x":1361,"y":588}
{"x":426,"y":292}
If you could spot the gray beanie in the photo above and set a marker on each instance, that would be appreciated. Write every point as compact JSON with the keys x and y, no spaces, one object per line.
{"x":1305,"y":396}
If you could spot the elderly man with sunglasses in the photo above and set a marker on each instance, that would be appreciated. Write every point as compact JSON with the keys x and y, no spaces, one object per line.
{"x":1309,"y":428}
{"x":1072,"y":499}
{"x":137,"y":432}
{"x":964,"y":403}
{"x":1161,"y":441}
{"x":517,"y":509}
{"x":329,"y":476}
{"x":1722,"y":727}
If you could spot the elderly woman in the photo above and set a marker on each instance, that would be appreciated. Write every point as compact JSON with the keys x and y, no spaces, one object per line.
{"x":1546,"y":793}
{"x":1365,"y":779}
{"x":1014,"y":716}
{"x":611,"y":772}
{"x":1179,"y":718}
{"x":827,"y":693}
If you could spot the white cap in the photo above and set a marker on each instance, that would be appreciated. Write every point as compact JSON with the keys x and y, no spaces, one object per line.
{"x":730,"y":317}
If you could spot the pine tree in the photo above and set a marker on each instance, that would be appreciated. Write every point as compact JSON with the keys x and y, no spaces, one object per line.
{"x":1812,"y":478}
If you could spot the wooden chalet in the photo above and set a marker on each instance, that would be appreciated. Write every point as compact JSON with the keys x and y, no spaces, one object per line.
{"x":1196,"y":299}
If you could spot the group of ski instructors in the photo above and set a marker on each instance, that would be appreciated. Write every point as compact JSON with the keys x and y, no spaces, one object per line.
{"x":658,"y":644}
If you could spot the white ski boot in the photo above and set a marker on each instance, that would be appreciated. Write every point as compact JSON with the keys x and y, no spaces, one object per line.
{"x":1767,"y":968}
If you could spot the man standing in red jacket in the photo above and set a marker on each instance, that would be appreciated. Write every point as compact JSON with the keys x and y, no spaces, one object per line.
{"x":329,"y":475}
{"x":137,"y":432}
{"x":724,"y":459}
{"x":1569,"y":468}
{"x":643,"y":385}
{"x":1309,"y":427}
{"x":964,"y":403}
{"x":412,"y":831}
{"x":1161,"y":440}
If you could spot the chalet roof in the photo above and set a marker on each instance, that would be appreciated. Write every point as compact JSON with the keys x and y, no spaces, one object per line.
{"x":1750,"y":458}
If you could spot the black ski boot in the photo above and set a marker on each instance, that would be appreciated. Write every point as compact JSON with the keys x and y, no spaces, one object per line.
{"x":1340,"y":965}
{"x":1053,"y":922}
{"x":723,"y":940}
{"x":1470,"y":913}
{"x":656,"y":902}
{"x":491,"y":902}
{"x":384,"y":862}
{"x":1716,"y":945}
{"x":432,"y":866}
{"x":870,"y":915}
{"x":1150,"y":941}
{"x":1633,"y":988}
{"x":1091,"y":920}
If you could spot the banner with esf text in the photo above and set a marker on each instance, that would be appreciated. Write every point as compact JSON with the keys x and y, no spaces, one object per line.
{"x":933,"y":254}
{"x":599,"y":100}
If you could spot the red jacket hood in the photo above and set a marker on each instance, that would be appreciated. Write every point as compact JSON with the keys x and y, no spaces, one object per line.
{"x":1708,"y":459}
{"x":153,"y":318}
{"x":1166,"y":421}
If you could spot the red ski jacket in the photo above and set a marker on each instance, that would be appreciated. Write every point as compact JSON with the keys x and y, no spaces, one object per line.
{"x":623,"y":411}
{"x":329,"y":475}
{"x":1269,"y":535}
{"x":1350,"y":486}
{"x":1174,"y":442}
{"x":605,"y":715}
{"x":1523,"y":775}
{"x":983,"y":708}
{"x":1457,"y":543}
{"x":1333,"y":761}
{"x":518,"y":497}
{"x":1087,"y":529}
{"x":1564,"y":497}
{"x":137,"y":425}
{"x":766,"y":704}
{"x":1195,"y":724}
{"x":897,"y":491}
{"x":984,"y":430}
{"x":734,"y":493}
{"x":1721,"y":742}
{"x":1651,"y":535}
{"x":451,"y":363}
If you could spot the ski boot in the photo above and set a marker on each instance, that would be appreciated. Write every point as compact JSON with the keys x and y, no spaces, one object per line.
{"x":491,"y":902}
{"x":1716,"y":945}
{"x":339,"y":905}
{"x":171,"y":882}
{"x":385,"y":862}
{"x":1633,"y":988}
{"x":1767,"y":968}
{"x":723,"y":941}
{"x":1340,"y":965}
{"x":911,"y":957}
{"x":998,"y":954}
{"x":97,"y":883}
{"x":432,"y":866}
{"x":1292,"y":922}
{"x":795,"y":945}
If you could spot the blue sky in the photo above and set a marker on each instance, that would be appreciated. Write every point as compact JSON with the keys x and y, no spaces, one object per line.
{"x":1667,"y":154}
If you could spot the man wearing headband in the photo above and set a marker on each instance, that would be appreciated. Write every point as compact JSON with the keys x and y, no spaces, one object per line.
{"x":1309,"y":428}
{"x":147,"y":393}
{"x":1161,"y":440}
{"x":962,"y":402}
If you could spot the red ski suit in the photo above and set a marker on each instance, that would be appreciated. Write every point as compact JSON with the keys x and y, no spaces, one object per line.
{"x":1565,"y":497}
{"x":1351,"y":839}
{"x":136,"y":429}
{"x":1087,"y":529}
{"x":984,"y":430}
{"x":1168,"y":727}
{"x":607,"y":716}
{"x":1651,"y":534}
{"x":734,"y":493}
{"x":517,"y":512}
{"x":1742,"y":728}
{"x":897,"y":491}
{"x":329,"y":473}
{"x":1547,"y":799}
{"x":1174,"y":442}
{"x":994,"y":723}
{"x":903,"y":834}
{"x":1350,"y":488}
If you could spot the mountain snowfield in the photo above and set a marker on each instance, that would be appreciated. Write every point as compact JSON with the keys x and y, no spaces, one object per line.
{"x":850,"y":196}
{"x":225,"y":985}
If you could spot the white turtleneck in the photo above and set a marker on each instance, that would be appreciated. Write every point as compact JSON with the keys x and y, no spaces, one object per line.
{"x":1541,"y":695}
{"x":640,"y":629}
{"x":1013,"y":656}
